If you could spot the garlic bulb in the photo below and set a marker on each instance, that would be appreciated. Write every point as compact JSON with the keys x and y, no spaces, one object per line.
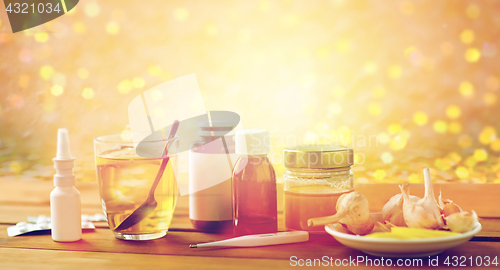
{"x":448,"y":207}
{"x":425,"y":213}
{"x":461,"y":222}
{"x":352,"y":211}
{"x":393,"y":209}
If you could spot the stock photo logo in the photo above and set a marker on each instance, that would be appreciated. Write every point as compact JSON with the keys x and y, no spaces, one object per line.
{"x":25,"y":14}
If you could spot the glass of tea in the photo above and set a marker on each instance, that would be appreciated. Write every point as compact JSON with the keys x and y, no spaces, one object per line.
{"x":125,"y":180}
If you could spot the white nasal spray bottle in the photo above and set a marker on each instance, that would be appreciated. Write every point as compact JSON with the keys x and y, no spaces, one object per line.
{"x":65,"y":205}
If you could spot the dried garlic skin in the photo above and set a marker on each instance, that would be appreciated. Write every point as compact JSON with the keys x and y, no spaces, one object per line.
{"x":425,"y":213}
{"x":461,"y":222}
{"x":393,"y":209}
{"x":352,"y":211}
{"x":447,"y":206}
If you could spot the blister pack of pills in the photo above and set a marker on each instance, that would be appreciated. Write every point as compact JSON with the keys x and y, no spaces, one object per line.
{"x":42,"y":224}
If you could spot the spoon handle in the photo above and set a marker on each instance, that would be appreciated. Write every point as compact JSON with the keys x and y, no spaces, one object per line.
{"x":164,"y":162}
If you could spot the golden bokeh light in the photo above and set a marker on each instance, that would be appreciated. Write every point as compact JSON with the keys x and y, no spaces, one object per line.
{"x":88,"y":93}
{"x":453,"y":111}
{"x":472,"y":55}
{"x":466,"y":89}
{"x":440,"y":126}
{"x":56,"y":90}
{"x":487,"y":135}
{"x":467,"y":36}
{"x":420,"y":118}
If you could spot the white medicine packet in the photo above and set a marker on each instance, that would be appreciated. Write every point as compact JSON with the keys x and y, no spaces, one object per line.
{"x":40,"y":224}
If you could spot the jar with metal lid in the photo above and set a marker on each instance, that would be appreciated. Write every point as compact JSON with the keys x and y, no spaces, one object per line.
{"x":316,"y":177}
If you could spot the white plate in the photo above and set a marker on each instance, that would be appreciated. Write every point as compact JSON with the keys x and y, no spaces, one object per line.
{"x":398,"y":248}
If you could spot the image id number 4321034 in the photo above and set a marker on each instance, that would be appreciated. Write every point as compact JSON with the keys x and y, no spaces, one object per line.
{"x":33,"y":8}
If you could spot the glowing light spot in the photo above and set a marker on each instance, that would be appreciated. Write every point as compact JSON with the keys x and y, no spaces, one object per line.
{"x":495,"y":145}
{"x":472,"y":55}
{"x":414,"y":179}
{"x":264,"y":6}
{"x":181,"y":14}
{"x":56,"y":90}
{"x":374,"y":109}
{"x":394,"y":128}
{"x":125,"y":86}
{"x":455,"y":127}
{"x":379,"y":174}
{"x":440,"y":126}
{"x":492,"y":83}
{"x":41,"y":37}
{"x":92,"y":9}
{"x":387,"y":158}
{"x":112,"y":28}
{"x":442,"y":164}
{"x":420,"y":118}
{"x":487,"y":135}
{"x":46,"y":72}
{"x":343,"y":46}
{"x":244,"y":35}
{"x":407,"y":7}
{"x":210,"y":29}
{"x":154,"y":70}
{"x":453,"y":111}
{"x":156,"y":94}
{"x":138,"y":82}
{"x":398,"y":143}
{"x":490,"y":99}
{"x":383,"y":138}
{"x":79,"y":27}
{"x":466,"y":89}
{"x":394,"y":71}
{"x":323,"y":52}
{"x":462,"y":172}
{"x":464,"y":141}
{"x":447,"y":49}
{"x":88,"y":93}
{"x":472,"y":11}
{"x":335,"y":108}
{"x":470,"y":162}
{"x":467,"y":36}
{"x":480,"y":155}
{"x":24,"y":81}
{"x":370,"y":67}
{"x":15,"y":167}
{"x":379,"y":92}
{"x":83,"y":73}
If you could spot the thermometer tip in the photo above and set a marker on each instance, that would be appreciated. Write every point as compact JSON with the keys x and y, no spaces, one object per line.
{"x":193,"y":246}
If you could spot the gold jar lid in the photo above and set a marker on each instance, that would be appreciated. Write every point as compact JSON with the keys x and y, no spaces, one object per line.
{"x":318,"y":157}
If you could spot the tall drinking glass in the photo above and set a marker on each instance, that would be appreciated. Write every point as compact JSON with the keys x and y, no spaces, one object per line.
{"x":125,"y":180}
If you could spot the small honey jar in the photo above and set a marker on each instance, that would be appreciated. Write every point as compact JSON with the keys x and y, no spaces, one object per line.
{"x":316,"y":177}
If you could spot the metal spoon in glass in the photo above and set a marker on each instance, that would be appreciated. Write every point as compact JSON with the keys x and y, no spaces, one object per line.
{"x":150,"y":204}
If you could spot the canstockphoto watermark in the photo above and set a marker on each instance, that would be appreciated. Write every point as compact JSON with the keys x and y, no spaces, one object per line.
{"x":354,"y":261}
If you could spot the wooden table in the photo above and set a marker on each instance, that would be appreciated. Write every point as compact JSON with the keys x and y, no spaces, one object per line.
{"x":101,"y":250}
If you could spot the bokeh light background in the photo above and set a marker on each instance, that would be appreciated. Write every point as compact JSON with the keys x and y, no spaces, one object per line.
{"x":422,"y":77}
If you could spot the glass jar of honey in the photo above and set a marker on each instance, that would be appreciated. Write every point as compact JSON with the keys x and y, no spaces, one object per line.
{"x":316,"y":177}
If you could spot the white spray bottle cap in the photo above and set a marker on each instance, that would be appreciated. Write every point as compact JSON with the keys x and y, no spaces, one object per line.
{"x":63,"y":163}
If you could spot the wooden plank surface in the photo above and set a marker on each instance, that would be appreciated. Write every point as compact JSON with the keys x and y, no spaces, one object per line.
{"x":56,"y":259}
{"x":177,"y":243}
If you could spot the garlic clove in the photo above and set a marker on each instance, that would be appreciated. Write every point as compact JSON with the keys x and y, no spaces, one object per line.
{"x":393,"y":209}
{"x":352,"y":211}
{"x":447,"y":206}
{"x":425,"y":213}
{"x":461,"y":222}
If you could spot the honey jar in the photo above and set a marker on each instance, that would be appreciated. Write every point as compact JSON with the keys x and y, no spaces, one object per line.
{"x":316,"y":177}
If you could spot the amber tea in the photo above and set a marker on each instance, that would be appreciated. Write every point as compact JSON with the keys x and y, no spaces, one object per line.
{"x":125,"y":180}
